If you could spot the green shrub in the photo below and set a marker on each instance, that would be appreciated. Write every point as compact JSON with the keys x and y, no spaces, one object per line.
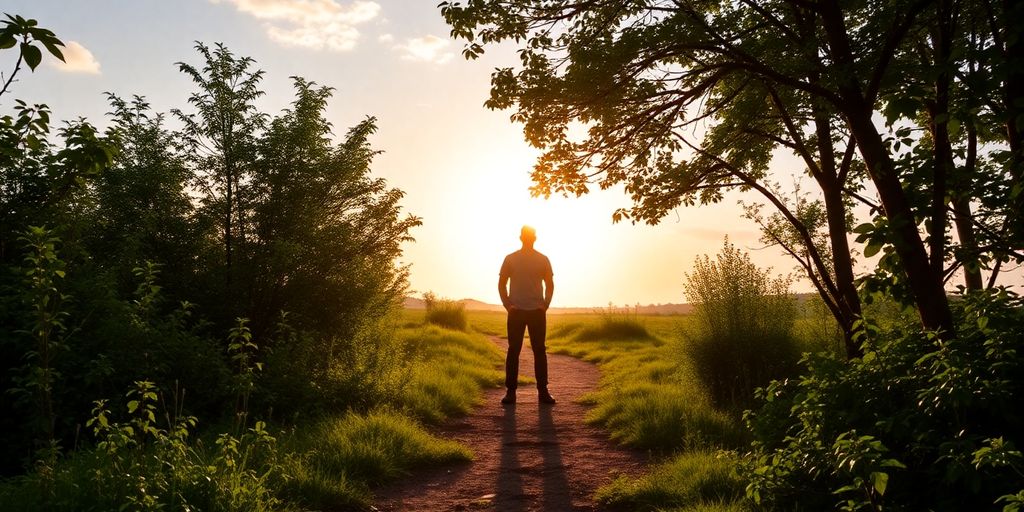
{"x":743,"y":332}
{"x":446,"y":313}
{"x":359,"y":373}
{"x":137,"y":464}
{"x":917,"y":423}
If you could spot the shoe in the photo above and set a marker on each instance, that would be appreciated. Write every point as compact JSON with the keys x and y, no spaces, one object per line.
{"x":545,"y":398}
{"x":510,"y":398}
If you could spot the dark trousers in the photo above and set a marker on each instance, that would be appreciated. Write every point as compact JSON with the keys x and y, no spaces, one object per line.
{"x":518,"y":321}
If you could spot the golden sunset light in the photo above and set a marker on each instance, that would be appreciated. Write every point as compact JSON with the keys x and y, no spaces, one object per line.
{"x":511,"y":255}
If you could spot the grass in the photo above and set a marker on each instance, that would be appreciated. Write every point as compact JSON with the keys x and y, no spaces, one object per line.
{"x":611,"y":327}
{"x":336,"y":461}
{"x":334,"y":464}
{"x":452,"y":367}
{"x":695,"y":480}
{"x":340,"y":457}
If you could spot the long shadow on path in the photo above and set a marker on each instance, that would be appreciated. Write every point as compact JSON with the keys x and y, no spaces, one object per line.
{"x":528,"y":457}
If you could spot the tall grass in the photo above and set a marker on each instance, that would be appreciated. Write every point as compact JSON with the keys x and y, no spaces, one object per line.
{"x":446,"y":313}
{"x":742,"y":336}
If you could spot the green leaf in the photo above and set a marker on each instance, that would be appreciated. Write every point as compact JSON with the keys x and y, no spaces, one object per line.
{"x":32,"y":55}
{"x":953,"y":126}
{"x":52,"y":48}
{"x":872,"y":249}
{"x":132,"y":406}
{"x":880,"y":481}
{"x":864,"y":228}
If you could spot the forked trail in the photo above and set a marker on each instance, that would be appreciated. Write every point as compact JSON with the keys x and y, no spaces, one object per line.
{"x":528,"y":457}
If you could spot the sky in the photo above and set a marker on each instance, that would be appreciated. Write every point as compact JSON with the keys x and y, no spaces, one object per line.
{"x":464,"y":168}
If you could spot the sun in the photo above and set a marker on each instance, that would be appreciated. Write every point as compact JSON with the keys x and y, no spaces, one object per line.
{"x":575,"y":234}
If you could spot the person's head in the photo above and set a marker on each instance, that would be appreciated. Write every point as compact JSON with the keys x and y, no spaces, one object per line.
{"x":528,"y":236}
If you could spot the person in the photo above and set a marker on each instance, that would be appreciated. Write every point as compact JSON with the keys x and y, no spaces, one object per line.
{"x":526,"y":285}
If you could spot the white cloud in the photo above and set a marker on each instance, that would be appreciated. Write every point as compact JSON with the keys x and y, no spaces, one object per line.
{"x":428,"y":48}
{"x":315,"y":24}
{"x":77,"y":59}
{"x":385,"y":38}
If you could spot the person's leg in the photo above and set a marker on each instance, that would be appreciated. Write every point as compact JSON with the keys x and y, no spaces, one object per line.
{"x":538,"y":332}
{"x":516,"y":326}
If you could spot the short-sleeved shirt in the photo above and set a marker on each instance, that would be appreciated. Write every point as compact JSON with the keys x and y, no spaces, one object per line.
{"x":526,"y":271}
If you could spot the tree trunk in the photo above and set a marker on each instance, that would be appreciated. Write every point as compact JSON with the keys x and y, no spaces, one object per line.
{"x":848,"y":301}
{"x":963,"y":217}
{"x":925,"y":285}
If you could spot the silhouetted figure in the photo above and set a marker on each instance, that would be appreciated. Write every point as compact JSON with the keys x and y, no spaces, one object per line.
{"x":526,"y":285}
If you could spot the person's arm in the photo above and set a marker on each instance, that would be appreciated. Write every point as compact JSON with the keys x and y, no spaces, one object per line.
{"x":549,"y":290}
{"x":503,"y":291}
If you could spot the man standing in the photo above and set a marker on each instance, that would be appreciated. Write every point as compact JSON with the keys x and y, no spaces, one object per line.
{"x":525,"y":285}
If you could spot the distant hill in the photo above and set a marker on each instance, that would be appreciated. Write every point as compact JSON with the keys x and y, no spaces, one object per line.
{"x":650,"y":309}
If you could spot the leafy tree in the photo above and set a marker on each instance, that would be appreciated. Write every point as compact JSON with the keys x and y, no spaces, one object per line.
{"x":321,"y":222}
{"x":221,"y":136}
{"x":165,"y":237}
{"x":144,"y":211}
{"x":682,"y":100}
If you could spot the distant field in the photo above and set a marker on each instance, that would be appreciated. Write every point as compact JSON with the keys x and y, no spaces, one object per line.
{"x":492,"y":323}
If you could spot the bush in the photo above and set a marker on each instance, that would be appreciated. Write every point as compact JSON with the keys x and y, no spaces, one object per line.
{"x":612,"y":326}
{"x":138,"y":465}
{"x":446,"y":313}
{"x":917,"y":423}
{"x":743,"y":335}
{"x":307,"y":372}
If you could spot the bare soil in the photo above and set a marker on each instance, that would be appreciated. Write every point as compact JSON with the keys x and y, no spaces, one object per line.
{"x":529,"y":457}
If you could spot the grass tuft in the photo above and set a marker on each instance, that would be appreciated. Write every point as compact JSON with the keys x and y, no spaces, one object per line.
{"x":693,"y":481}
{"x":336,"y":460}
{"x":319,"y":488}
{"x":452,"y":368}
{"x":662,"y":418}
{"x":613,"y":327}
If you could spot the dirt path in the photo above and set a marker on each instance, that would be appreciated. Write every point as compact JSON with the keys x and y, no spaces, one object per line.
{"x":528,"y":457}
